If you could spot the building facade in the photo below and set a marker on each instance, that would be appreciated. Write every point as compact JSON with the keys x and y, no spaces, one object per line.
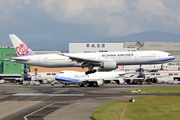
{"x":9,"y":69}
{"x":95,"y":47}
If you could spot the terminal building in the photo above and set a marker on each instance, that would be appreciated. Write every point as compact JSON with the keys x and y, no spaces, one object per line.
{"x":97,"y":47}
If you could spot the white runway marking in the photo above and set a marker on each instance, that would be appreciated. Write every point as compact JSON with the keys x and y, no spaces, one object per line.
{"x":43,"y":94}
{"x":25,"y":117}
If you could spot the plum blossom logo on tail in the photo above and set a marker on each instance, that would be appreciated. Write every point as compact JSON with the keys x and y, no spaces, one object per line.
{"x":22,"y":49}
{"x":121,"y":67}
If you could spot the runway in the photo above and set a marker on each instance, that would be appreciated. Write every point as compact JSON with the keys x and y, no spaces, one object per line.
{"x":48,"y":102}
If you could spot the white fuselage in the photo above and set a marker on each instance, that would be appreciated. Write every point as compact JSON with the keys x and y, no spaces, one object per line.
{"x":50,"y":60}
{"x":129,"y":58}
{"x":121,"y":58}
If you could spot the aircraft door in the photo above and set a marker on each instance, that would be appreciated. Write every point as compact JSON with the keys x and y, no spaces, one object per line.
{"x":159,"y":56}
{"x":99,"y":57}
{"x":135,"y":57}
{"x":39,"y":59}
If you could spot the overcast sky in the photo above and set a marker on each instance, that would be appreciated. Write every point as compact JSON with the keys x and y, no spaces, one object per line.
{"x":52,"y":24}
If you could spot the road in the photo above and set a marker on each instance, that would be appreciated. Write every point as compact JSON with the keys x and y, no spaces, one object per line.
{"x":46,"y":102}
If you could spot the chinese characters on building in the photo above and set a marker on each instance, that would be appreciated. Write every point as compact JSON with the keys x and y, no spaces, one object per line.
{"x":93,"y":45}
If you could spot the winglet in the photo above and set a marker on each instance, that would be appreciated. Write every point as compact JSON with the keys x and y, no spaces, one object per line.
{"x":20,"y":48}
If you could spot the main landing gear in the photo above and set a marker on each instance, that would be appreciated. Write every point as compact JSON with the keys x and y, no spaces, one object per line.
{"x":90,"y":67}
{"x":90,"y":71}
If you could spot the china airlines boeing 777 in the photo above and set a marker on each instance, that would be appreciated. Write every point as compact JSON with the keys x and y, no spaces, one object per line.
{"x":106,"y":60}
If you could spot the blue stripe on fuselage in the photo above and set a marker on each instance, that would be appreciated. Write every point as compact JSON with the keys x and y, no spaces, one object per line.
{"x":158,"y":61}
{"x":161,"y":60}
{"x":67,"y":79}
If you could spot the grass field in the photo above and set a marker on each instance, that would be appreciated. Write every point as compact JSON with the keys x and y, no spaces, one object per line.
{"x":145,"y":108}
{"x":157,"y":90}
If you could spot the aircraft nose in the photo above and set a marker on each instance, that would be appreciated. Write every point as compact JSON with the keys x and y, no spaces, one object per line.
{"x":57,"y":78}
{"x":173,"y":57}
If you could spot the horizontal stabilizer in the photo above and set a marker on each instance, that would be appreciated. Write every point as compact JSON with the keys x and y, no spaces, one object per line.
{"x":19,"y":59}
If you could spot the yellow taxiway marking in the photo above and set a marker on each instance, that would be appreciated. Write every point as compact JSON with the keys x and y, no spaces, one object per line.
{"x":18,"y":103}
{"x":33,"y":90}
{"x":60,"y":91}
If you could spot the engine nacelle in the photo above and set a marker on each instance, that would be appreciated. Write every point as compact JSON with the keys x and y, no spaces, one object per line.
{"x":99,"y":82}
{"x":2,"y":81}
{"x":120,"y":81}
{"x":108,"y":65}
{"x":25,"y":83}
{"x":37,"y":83}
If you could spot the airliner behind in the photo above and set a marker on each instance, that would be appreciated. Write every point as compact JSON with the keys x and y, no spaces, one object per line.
{"x":91,"y":80}
{"x":106,"y":60}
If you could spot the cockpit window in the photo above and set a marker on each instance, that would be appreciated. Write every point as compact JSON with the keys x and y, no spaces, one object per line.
{"x":169,"y":55}
{"x":62,"y":72}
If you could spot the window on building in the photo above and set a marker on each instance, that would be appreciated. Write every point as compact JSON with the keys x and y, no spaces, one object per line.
{"x":103,"y":51}
{"x":175,"y":73}
{"x":170,"y":73}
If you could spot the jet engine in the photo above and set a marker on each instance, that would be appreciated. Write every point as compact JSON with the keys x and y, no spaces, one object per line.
{"x":37,"y":83}
{"x":99,"y":82}
{"x":109,"y":65}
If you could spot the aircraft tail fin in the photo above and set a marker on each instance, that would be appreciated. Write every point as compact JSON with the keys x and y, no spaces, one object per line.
{"x":20,"y":48}
{"x":120,"y":68}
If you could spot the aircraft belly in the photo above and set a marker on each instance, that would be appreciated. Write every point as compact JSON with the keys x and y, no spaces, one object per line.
{"x":55,"y":64}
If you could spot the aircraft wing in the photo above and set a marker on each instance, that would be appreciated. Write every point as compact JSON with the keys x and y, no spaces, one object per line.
{"x":80,"y":59}
{"x":132,"y":78}
{"x":90,"y":79}
{"x":149,"y":77}
{"x":122,"y":74}
{"x":96,"y":79}
{"x":157,"y":76}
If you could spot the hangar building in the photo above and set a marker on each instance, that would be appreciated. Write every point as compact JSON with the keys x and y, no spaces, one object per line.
{"x":96,"y":47}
